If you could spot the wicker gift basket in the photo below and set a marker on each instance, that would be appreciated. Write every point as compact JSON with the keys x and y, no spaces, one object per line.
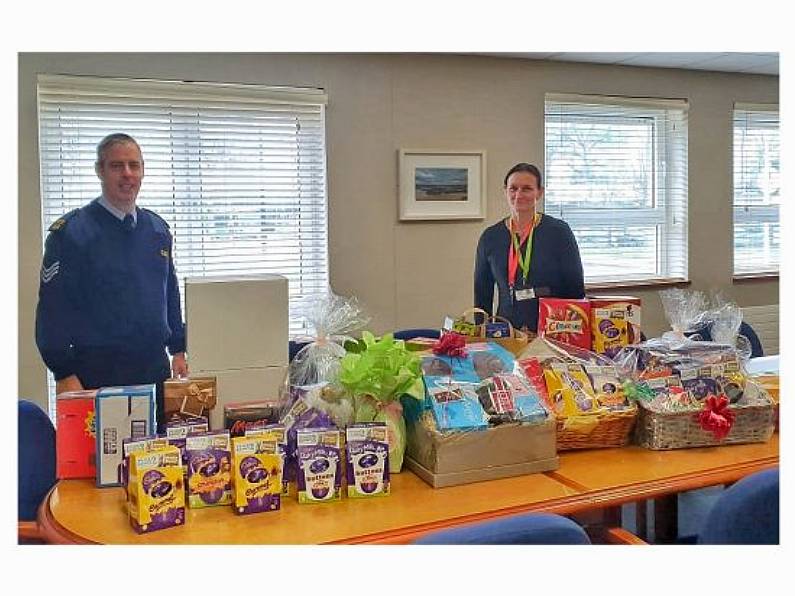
{"x":695,"y":394}
{"x":584,"y":391}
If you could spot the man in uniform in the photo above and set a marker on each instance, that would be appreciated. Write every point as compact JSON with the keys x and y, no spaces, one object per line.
{"x":108,"y":296}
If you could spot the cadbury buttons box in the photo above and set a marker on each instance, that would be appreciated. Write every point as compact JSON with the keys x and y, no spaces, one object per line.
{"x":209,"y":460}
{"x":121,"y":413}
{"x":319,"y":464}
{"x":367,"y":455}
{"x":155,"y":495}
{"x":257,"y":474}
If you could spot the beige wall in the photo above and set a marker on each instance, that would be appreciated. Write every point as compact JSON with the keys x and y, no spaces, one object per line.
{"x":412,"y":274}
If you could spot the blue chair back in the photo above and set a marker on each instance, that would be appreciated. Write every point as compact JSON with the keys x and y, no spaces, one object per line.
{"x":36,"y":454}
{"x":745,"y":330}
{"x":406,"y":334}
{"x":745,"y":513}
{"x":527,"y":528}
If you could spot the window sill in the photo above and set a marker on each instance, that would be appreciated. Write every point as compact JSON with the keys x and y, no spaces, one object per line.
{"x":643,"y":284}
{"x":768,"y":276}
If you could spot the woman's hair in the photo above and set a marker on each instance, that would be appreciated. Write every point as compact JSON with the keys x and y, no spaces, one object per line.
{"x":523,"y":167}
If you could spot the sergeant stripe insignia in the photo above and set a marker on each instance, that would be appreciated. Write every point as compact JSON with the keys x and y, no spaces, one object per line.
{"x":48,"y":273}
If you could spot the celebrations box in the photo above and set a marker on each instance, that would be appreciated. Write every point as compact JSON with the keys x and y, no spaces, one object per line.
{"x":615,"y":323}
{"x":75,"y":435}
{"x":566,"y":320}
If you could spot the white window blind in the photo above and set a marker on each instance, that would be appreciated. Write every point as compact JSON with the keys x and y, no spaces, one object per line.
{"x":616,"y":171}
{"x":238,"y":171}
{"x":757,"y":189}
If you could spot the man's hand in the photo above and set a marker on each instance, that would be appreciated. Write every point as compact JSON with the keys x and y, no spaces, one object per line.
{"x":179,"y":366}
{"x":71,"y":383}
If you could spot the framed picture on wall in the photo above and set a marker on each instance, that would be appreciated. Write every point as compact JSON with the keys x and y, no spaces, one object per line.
{"x":441,"y":184}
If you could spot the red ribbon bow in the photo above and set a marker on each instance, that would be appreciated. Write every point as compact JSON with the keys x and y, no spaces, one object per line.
{"x":450,"y":344}
{"x":716,"y":417}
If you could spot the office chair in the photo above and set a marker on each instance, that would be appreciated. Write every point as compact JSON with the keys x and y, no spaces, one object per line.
{"x":36,"y":470}
{"x":745,"y":513}
{"x":745,"y":330}
{"x":527,"y":528}
{"x":406,"y":334}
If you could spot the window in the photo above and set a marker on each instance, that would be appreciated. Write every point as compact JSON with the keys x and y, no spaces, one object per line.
{"x":238,"y":171}
{"x":757,"y":189}
{"x":616,"y":171}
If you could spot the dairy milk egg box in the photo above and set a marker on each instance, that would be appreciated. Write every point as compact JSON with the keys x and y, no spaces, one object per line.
{"x":319,"y":460}
{"x":367,"y":456}
{"x":278,"y":434}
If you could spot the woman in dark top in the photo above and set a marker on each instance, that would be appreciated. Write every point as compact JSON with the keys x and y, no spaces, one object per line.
{"x":528,"y":254}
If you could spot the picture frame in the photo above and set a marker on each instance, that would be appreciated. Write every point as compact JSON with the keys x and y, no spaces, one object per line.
{"x":441,"y":185}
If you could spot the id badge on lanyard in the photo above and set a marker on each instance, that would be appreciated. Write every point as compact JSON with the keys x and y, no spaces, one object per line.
{"x":515,"y":261}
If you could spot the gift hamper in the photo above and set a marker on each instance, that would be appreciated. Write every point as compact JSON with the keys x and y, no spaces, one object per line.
{"x":694,"y":393}
{"x":584,"y":391}
{"x":481,"y":418}
{"x":491,"y":328}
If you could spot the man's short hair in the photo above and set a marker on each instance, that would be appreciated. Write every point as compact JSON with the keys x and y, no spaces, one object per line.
{"x":109,"y":141}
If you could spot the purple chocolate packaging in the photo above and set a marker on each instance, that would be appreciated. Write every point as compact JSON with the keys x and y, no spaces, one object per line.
{"x":367,"y":459}
{"x":209,"y":458}
{"x":299,"y":416}
{"x":319,"y":464}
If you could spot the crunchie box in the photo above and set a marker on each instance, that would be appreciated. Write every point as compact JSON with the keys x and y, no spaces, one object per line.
{"x":257,"y":474}
{"x":319,"y":464}
{"x":367,"y":457}
{"x":209,"y":459}
{"x":129,"y":446}
{"x":75,"y":435}
{"x":277,"y":433}
{"x":566,"y":320}
{"x":121,"y":413}
{"x":243,"y":415}
{"x":155,"y":495}
{"x":615,"y":323}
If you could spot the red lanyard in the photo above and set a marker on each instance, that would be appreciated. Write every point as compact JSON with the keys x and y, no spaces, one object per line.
{"x":513,"y":256}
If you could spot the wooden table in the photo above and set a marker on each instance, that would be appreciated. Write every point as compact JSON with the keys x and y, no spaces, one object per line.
{"x":77,"y":512}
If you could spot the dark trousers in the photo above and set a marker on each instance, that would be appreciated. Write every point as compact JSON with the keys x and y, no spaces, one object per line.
{"x":107,"y":367}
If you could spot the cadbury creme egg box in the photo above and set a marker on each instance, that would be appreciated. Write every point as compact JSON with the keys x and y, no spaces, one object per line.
{"x":319,"y":465}
{"x":257,"y":474}
{"x":156,"y":497}
{"x":367,"y":456}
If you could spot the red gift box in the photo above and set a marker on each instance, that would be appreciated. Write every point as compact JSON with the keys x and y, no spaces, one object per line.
{"x":75,"y":435}
{"x":566,"y":320}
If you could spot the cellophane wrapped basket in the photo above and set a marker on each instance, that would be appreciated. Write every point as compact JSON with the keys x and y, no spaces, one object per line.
{"x":694,"y":393}
{"x":585,"y":392}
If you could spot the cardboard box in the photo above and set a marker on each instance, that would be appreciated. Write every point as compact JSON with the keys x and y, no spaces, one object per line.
{"x":256,"y":474}
{"x":237,"y":322}
{"x":245,"y":384}
{"x":496,"y":452}
{"x":209,"y":457}
{"x":615,"y":323}
{"x":241,"y":416}
{"x":75,"y":435}
{"x":121,"y":413}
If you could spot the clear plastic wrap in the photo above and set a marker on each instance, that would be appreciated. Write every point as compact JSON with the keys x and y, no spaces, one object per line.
{"x":684,"y":310}
{"x":334,"y":319}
